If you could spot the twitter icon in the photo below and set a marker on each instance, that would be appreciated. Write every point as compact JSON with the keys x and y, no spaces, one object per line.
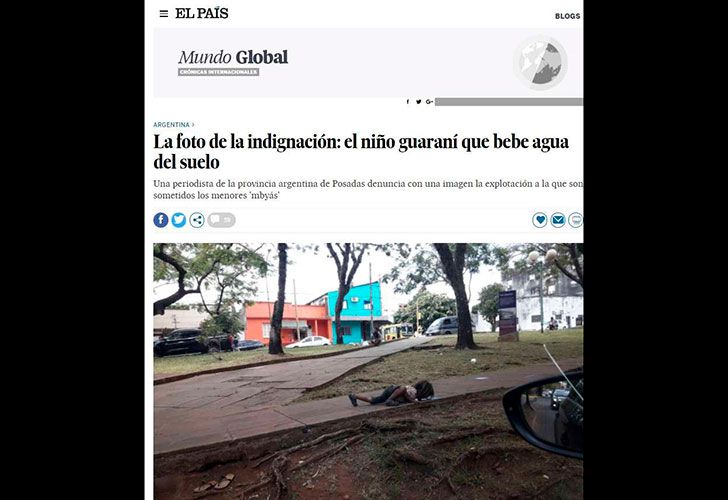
{"x":179,"y":219}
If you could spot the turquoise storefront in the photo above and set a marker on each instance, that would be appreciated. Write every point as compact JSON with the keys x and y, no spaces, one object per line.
{"x":357,"y":311}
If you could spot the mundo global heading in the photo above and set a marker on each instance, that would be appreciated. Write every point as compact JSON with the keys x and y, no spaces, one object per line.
{"x":241,"y":57}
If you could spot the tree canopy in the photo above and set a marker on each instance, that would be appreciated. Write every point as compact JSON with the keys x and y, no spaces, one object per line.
{"x":420,"y":264}
{"x":423,"y":264}
{"x":569,"y":260}
{"x":432,"y":306}
{"x":487,"y":304}
{"x":223,"y":274}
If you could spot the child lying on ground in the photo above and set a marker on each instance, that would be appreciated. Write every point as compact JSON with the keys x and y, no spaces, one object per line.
{"x":396,"y":394}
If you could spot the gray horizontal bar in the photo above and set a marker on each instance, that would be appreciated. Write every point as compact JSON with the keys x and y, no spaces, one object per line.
{"x":218,"y":71}
{"x":509,"y":101}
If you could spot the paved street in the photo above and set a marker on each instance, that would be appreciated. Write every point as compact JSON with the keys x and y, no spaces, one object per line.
{"x":214,"y":407}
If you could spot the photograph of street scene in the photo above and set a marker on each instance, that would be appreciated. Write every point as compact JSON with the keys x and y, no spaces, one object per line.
{"x":365,"y":370}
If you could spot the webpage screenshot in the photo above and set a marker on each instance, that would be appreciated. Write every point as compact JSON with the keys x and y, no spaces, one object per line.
{"x":364,"y":250}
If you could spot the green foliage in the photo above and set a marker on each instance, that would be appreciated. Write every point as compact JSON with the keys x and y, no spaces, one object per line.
{"x":420,"y":264}
{"x":488,"y":303}
{"x":199,"y":258}
{"x":223,"y":323}
{"x":432,"y":306}
{"x":223,"y":274}
{"x":569,"y":260}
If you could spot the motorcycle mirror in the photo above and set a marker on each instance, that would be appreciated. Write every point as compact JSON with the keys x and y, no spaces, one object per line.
{"x":549,"y":413}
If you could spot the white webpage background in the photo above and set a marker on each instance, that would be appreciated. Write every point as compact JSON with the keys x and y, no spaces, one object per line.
{"x":400,"y":216}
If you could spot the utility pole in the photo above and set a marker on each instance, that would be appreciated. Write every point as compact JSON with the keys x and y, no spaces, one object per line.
{"x":417,"y":314}
{"x":267,"y":297}
{"x":295,"y":308}
{"x":371,"y":303}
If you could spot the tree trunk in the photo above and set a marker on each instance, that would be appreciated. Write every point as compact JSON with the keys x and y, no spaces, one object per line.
{"x":465,"y":327}
{"x":161,"y":305}
{"x":491,"y":320}
{"x":454,"y":266}
{"x":337,"y":313}
{"x":578,"y":275}
{"x":274,"y":344}
{"x":346,"y":276}
{"x":574,"y":254}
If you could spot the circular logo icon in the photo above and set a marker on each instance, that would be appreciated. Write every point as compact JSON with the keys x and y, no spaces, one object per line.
{"x":540,"y":62}
{"x":576,"y":219}
{"x":197,"y":220}
{"x":539,"y":219}
{"x":558,"y":219}
{"x":160,"y":219}
{"x":179,"y":219}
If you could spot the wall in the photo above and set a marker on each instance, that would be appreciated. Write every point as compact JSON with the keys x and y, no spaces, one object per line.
{"x":178,"y":318}
{"x":265,"y":309}
{"x":316,"y":317}
{"x":567,"y":306}
{"x":357,"y":308}
{"x":552,"y":286}
{"x":254,"y":330}
{"x":354,"y":336}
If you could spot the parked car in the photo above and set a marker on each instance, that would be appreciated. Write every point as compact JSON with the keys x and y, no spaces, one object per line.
{"x":560,"y":431}
{"x":190,"y":340}
{"x":444,"y":326}
{"x":557,"y":397}
{"x":249,"y":345}
{"x":311,"y":341}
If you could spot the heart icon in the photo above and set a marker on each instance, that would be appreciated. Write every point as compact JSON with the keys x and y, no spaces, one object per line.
{"x":418,"y":101}
{"x":540,"y":218}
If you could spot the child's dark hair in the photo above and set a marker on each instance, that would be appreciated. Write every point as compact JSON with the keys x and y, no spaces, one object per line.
{"x":424,"y":390}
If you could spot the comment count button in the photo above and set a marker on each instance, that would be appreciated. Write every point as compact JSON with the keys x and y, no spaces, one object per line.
{"x":221,"y":219}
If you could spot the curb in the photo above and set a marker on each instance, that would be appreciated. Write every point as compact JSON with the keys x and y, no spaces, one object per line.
{"x":175,"y":378}
{"x":404,"y":409}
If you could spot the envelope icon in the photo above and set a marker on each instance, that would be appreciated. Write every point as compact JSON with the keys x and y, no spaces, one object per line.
{"x":557,"y":219}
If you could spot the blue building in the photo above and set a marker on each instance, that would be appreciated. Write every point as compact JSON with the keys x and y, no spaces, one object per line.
{"x":357,"y":311}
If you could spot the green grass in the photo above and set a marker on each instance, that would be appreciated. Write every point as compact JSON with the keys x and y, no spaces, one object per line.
{"x":410,"y":366}
{"x":189,"y":363}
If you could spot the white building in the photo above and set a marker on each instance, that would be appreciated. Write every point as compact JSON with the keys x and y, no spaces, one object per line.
{"x":172,"y":319}
{"x":563,"y":300}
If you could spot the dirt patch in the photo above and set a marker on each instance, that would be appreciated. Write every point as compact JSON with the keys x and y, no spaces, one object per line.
{"x":462,"y":449}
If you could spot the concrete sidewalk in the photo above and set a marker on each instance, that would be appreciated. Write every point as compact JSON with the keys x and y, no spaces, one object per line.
{"x":190,"y":412}
{"x":202,"y":428}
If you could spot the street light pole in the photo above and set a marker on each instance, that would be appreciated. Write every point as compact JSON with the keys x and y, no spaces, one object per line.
{"x":540,"y":291}
{"x":267,"y":298}
{"x":295,"y":308}
{"x":538,"y":264}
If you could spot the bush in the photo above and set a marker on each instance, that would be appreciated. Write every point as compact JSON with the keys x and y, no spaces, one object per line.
{"x":223,"y":323}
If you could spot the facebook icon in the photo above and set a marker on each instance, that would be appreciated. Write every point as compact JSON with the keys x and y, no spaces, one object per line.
{"x":161,"y":219}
